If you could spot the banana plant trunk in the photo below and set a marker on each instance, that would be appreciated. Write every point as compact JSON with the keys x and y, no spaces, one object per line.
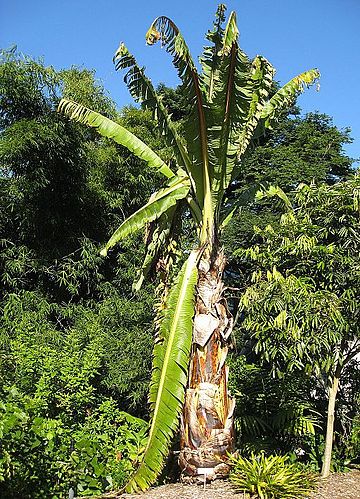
{"x":207,"y":428}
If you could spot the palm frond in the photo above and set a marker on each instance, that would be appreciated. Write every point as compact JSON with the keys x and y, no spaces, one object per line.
{"x":270,"y":191}
{"x":110,"y":129}
{"x":158,"y":203}
{"x":286,"y":96}
{"x":165,"y":30}
{"x":169,"y":376}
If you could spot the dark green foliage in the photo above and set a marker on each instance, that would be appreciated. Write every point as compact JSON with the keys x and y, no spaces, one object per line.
{"x":316,"y":247}
{"x":58,"y":182}
{"x":274,"y":415}
{"x":300,"y":149}
{"x":69,"y":321}
{"x":42,"y":157}
{"x":353,"y":449}
{"x":175,"y":101}
{"x":44,"y":456}
{"x":69,"y":361}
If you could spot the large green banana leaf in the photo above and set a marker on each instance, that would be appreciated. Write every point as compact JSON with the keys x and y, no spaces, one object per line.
{"x":224,"y":76}
{"x":112,"y":130}
{"x":211,"y":56}
{"x":169,"y":376}
{"x":158,"y":203}
{"x":261,"y":75}
{"x":285,"y":97}
{"x":239,"y":91}
{"x":142,"y":90}
{"x":165,"y":30}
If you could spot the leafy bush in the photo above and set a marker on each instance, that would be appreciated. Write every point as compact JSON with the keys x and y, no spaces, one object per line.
{"x":272,"y":415}
{"x":270,"y":477}
{"x":60,"y":426}
{"x":44,"y":457}
{"x":353,"y":450}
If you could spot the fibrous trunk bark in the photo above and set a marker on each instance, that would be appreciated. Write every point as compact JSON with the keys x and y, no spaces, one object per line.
{"x":207,"y":430}
{"x":333,"y":389}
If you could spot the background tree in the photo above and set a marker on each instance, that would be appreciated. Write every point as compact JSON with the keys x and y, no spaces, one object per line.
{"x":297,"y":149}
{"x":64,"y":338}
{"x":300,"y":149}
{"x":69,"y":320}
{"x":302,"y":311}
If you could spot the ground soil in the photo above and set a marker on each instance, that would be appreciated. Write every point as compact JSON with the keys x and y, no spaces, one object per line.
{"x":337,"y":486}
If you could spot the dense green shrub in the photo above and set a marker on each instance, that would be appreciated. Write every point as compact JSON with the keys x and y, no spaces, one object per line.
{"x":274,"y":415}
{"x":46,"y":457}
{"x":353,"y":449}
{"x":64,"y":379}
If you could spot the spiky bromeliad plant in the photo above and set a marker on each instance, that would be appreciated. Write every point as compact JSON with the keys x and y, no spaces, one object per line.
{"x":230,"y":105}
{"x":270,"y":477}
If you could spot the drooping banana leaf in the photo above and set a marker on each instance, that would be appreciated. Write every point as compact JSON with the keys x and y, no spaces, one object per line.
{"x":158,"y":203}
{"x":169,"y":376}
{"x":270,"y":191}
{"x":112,"y":130}
{"x":142,"y":90}
{"x":286,"y":96}
{"x":165,"y":30}
{"x":157,"y":243}
{"x":245,"y":198}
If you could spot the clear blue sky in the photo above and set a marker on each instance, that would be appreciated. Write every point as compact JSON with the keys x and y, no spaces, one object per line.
{"x":293,"y":35}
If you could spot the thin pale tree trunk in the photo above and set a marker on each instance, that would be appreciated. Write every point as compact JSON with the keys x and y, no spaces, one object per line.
{"x":333,"y":390}
{"x":207,"y":429}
